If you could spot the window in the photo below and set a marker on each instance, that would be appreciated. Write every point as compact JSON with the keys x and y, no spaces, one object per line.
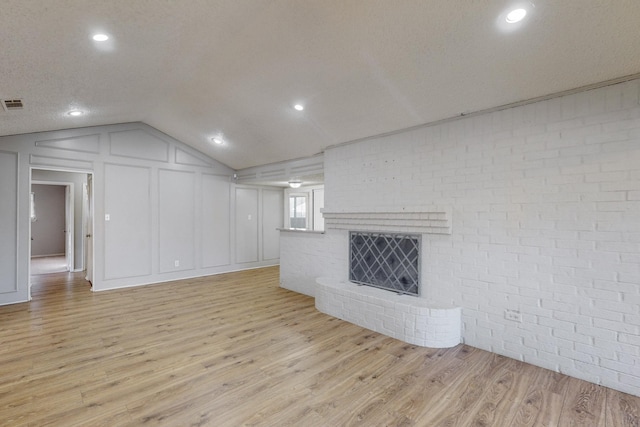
{"x":302,"y":208}
{"x":298,"y":211}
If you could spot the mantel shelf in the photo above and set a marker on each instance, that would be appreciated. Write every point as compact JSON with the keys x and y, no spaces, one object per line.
{"x":435,"y":220}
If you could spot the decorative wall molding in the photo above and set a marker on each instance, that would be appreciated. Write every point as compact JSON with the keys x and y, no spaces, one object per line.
{"x":138,"y":144}
{"x":83,"y":144}
{"x":38,"y":160}
{"x":185,"y":158}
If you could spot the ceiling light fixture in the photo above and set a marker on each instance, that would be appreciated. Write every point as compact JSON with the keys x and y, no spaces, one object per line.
{"x":516,"y":15}
{"x":100,"y":37}
{"x":295,"y":183}
{"x":75,"y":113}
{"x":299,"y":107}
{"x":217,"y":140}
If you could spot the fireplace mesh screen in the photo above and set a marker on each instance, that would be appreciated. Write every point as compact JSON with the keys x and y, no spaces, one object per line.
{"x":388,"y":261}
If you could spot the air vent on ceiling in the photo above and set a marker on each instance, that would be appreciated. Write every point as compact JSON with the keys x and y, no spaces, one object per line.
{"x":12,"y":104}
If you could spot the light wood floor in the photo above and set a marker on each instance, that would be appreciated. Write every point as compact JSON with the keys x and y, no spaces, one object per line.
{"x":236,"y":349}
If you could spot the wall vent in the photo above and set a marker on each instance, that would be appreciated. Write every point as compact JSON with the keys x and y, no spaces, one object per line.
{"x":12,"y":104}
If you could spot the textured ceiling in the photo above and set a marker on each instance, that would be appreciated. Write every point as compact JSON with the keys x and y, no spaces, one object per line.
{"x":194,"y":68}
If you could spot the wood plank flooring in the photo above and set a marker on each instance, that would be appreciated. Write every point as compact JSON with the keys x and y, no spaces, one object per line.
{"x":237,"y":350}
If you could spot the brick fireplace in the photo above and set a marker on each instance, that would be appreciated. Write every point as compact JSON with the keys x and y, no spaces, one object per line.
{"x":544,"y":200}
{"x":391,"y":312}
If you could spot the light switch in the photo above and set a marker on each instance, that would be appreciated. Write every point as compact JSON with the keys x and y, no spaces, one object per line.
{"x":107,"y":217}
{"x":249,"y":217}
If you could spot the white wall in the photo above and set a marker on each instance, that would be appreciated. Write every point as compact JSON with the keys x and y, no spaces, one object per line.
{"x":164,"y":200}
{"x":48,"y":230}
{"x":545,"y":205}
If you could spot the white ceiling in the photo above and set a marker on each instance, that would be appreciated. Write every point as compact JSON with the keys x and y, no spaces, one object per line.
{"x":193,"y":68}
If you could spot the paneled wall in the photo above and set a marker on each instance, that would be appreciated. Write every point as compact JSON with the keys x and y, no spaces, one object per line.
{"x":9,"y":178}
{"x":246,"y":225}
{"x":177,"y":221}
{"x":162,"y":211}
{"x":216,"y":234}
{"x":259,"y":215}
{"x":127,"y":221}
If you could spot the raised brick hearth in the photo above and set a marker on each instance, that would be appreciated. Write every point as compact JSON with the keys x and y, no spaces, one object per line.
{"x":407,"y":318}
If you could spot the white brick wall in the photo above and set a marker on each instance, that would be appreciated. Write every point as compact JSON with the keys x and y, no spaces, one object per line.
{"x":545,"y":203}
{"x":306,"y":256}
{"x":299,"y":269}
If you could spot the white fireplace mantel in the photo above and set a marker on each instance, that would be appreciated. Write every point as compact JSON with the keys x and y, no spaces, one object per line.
{"x":429,"y":220}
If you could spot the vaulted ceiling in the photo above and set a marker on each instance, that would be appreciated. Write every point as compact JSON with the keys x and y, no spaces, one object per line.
{"x":195,"y":69}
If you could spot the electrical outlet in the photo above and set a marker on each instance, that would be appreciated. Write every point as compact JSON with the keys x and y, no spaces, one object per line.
{"x":513,"y":315}
{"x":176,"y":263}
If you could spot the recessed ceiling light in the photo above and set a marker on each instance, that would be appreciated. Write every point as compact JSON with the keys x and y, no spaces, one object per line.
{"x":299,"y":107}
{"x":75,"y":113}
{"x":217,"y":140}
{"x":516,"y":15}
{"x":100,"y":37}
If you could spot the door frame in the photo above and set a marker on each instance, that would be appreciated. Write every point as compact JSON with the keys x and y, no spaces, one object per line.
{"x":87,"y":229}
{"x":69,"y":219}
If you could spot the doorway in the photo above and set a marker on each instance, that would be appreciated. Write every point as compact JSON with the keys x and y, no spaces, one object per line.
{"x":52,"y":230}
{"x":61,"y":222}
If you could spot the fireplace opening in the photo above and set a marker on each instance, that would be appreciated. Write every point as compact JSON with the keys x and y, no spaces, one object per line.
{"x":386,"y":261}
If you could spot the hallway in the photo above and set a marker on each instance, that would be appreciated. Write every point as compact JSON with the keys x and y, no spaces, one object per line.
{"x":48,"y":264}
